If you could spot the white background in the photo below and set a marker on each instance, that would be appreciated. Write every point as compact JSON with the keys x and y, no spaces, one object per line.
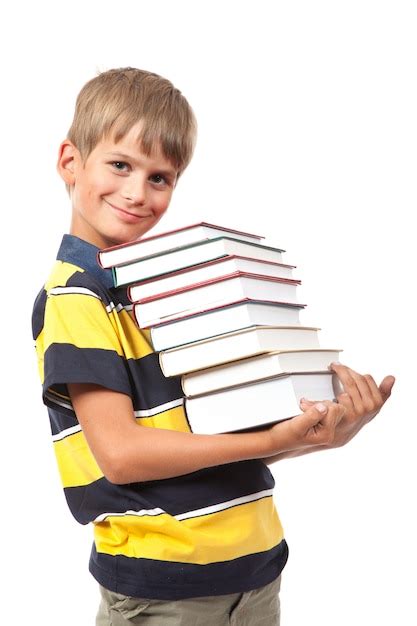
{"x":308,"y":135}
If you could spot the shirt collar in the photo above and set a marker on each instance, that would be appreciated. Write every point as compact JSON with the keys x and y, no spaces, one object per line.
{"x":78,"y":252}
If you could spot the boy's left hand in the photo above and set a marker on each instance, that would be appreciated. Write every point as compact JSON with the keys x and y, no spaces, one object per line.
{"x":361,"y":397}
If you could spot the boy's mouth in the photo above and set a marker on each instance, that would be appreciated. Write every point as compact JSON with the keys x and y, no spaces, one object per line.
{"x":125,"y":215}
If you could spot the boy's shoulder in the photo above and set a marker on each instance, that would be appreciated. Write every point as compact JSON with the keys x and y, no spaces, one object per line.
{"x":70,"y":277}
{"x":74,"y":273}
{"x":76,"y":266}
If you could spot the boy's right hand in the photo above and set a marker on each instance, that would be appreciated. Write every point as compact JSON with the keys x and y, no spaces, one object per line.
{"x":316,"y":426}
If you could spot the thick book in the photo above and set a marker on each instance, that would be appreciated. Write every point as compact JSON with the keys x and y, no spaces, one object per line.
{"x":237,"y":345}
{"x":189,"y":255}
{"x":205,"y":271}
{"x":256,"y":368}
{"x":216,"y":291}
{"x":257,"y":404}
{"x":124,"y":253}
{"x":237,"y":315}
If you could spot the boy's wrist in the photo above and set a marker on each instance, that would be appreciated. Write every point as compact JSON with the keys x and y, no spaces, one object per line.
{"x":268,"y":442}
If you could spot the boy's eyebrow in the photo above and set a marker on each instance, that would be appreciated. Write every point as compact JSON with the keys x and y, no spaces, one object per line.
{"x":122,"y":155}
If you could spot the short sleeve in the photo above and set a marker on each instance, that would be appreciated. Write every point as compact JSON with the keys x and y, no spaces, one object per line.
{"x":80,"y":344}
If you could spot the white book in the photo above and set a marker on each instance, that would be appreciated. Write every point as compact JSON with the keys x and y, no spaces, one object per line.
{"x":217,"y":291}
{"x":256,"y":368}
{"x":126,"y":252}
{"x":189,"y":255}
{"x":257,"y":404}
{"x":237,"y":345}
{"x":205,"y":271}
{"x":219,"y":320}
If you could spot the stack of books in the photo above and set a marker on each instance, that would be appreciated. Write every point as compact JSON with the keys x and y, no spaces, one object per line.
{"x":222,"y":311}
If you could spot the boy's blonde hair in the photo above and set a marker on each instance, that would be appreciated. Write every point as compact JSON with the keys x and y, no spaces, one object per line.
{"x":110,"y":104}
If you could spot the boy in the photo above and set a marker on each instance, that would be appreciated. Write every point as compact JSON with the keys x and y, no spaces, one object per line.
{"x":185,"y":526}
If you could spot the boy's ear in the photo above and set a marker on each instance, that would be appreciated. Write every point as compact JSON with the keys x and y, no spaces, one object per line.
{"x":66,"y":161}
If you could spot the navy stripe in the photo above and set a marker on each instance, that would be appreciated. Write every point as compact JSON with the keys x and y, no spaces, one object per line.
{"x":178,"y":495}
{"x":151,"y":387}
{"x":141,"y":379}
{"x":85,"y":280}
{"x":64,"y":363}
{"x":119,"y":295}
{"x":146,"y":578}
{"x":61,"y":421}
{"x":115,"y":295}
{"x":38,"y":314}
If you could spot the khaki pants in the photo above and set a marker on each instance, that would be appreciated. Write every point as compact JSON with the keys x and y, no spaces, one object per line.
{"x":254,"y":608}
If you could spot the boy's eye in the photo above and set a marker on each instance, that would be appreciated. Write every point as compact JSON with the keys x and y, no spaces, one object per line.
{"x":158,"y":179}
{"x":121,"y":166}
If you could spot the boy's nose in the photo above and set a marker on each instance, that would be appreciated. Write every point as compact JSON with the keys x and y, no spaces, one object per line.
{"x":135,"y":191}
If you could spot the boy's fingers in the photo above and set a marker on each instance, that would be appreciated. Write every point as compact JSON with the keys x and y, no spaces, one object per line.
{"x":386,"y":386}
{"x":362,"y":389}
{"x":353,"y":383}
{"x":346,"y":401}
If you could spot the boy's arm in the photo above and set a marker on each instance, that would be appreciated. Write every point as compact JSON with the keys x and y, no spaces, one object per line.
{"x":362,"y":400}
{"x":128,"y":452}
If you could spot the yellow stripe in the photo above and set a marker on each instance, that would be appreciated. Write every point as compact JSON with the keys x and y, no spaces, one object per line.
{"x":236,"y":532}
{"x":173,"y":419}
{"x":92,"y":326}
{"x":79,"y":320}
{"x":135,"y":343}
{"x":40,"y":351}
{"x":76,"y":464}
{"x":61,"y":272}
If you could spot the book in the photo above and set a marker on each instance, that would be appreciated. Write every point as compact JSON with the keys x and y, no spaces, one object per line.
{"x":258,"y":367}
{"x":258,"y":403}
{"x":204,"y":271}
{"x":155,"y":309}
{"x":236,"y":345}
{"x":126,"y":252}
{"x":237,"y":315}
{"x":189,"y":255}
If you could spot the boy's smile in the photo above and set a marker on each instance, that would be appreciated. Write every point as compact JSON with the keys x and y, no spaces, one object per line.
{"x":119,"y":193}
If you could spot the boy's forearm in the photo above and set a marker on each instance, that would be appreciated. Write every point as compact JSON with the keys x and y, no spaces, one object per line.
{"x":130,"y":452}
{"x":154,"y":454}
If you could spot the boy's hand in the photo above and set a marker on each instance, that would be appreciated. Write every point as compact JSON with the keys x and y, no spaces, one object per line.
{"x":361,"y":398}
{"x":316,"y":427}
{"x":315,"y":430}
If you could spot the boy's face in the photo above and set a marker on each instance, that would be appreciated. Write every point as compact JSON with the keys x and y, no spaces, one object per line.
{"x":119,"y":193}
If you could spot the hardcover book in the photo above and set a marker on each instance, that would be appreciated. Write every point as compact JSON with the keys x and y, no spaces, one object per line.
{"x":257,"y":404}
{"x":256,"y":368}
{"x":127,"y":252}
{"x":237,"y":345}
{"x":206,"y":271}
{"x":213,"y":321}
{"x":189,"y":255}
{"x":216,"y":291}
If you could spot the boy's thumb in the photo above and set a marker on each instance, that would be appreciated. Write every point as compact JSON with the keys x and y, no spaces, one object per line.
{"x":313,"y":412}
{"x":306,"y":404}
{"x":386,"y":387}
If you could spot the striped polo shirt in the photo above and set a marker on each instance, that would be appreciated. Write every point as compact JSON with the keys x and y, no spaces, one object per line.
{"x":214,"y":531}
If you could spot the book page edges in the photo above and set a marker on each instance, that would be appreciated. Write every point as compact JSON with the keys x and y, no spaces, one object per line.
{"x":253,"y":328}
{"x":214,"y":281}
